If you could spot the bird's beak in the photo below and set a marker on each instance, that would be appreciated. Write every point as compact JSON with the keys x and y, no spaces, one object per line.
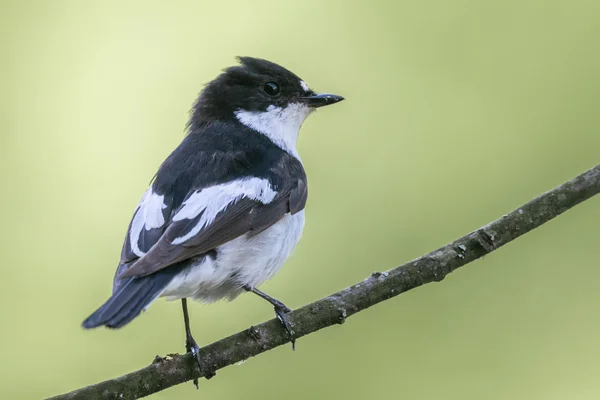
{"x":320,"y":99}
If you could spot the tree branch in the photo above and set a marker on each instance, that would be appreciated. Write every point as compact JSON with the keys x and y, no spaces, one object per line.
{"x":334,"y":309}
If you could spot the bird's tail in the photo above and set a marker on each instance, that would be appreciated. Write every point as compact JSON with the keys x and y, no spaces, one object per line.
{"x":132,"y":297}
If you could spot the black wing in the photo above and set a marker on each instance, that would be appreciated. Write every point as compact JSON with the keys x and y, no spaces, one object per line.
{"x":189,"y":237}
{"x":201,"y":200}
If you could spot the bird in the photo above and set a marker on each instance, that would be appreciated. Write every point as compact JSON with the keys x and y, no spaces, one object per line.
{"x":225,"y":209}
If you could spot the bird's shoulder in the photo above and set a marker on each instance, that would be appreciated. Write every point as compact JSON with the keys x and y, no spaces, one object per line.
{"x":221,"y":152}
{"x":218,"y":184}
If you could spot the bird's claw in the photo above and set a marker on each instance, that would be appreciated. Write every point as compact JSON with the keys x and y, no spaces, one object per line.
{"x":192,"y":347}
{"x":281,"y":310}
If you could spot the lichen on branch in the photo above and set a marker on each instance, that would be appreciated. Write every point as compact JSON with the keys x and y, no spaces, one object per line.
{"x":334,"y":309}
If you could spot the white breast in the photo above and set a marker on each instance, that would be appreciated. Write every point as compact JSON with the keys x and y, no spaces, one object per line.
{"x":242,"y":261}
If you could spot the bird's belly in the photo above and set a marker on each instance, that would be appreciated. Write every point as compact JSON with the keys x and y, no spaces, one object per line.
{"x":247,"y":260}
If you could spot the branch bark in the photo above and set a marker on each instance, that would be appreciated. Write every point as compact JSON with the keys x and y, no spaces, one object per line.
{"x":334,"y":309}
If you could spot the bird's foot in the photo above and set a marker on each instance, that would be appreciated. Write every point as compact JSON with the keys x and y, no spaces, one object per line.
{"x":280,"y":311}
{"x":192,"y":347}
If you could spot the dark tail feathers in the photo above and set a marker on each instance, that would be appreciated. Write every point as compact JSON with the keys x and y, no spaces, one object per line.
{"x":133,"y":296}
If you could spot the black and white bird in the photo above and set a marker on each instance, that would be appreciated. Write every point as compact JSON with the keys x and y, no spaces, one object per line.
{"x":226,"y":208}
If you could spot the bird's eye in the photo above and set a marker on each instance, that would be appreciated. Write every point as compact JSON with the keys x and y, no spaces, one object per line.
{"x":271,"y":88}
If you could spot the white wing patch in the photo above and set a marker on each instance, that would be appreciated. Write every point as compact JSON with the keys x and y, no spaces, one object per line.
{"x":281,"y":125}
{"x":149,"y":215}
{"x":212,"y":200}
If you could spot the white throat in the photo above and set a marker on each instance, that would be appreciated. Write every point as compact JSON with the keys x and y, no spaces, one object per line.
{"x":281,"y":125}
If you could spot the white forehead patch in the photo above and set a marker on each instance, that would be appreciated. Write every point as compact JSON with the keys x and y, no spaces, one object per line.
{"x":304,"y":86}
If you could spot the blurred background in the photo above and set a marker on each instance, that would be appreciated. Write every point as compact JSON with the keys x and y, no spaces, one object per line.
{"x":456,"y":113}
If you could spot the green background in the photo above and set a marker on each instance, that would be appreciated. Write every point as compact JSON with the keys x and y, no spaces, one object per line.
{"x":456,"y":113}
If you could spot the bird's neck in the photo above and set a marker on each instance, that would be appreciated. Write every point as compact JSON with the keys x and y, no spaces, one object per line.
{"x":280,"y":125}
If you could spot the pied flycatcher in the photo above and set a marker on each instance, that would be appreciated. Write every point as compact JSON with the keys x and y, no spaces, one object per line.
{"x":226,"y":208}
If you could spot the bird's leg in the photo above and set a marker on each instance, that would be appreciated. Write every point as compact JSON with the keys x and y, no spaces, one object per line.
{"x":190,"y":344}
{"x":280,"y":311}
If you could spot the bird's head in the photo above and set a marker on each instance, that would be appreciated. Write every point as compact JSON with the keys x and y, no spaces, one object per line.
{"x":262,"y":95}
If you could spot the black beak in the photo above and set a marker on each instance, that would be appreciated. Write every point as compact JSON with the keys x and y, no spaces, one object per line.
{"x":320,"y":99}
